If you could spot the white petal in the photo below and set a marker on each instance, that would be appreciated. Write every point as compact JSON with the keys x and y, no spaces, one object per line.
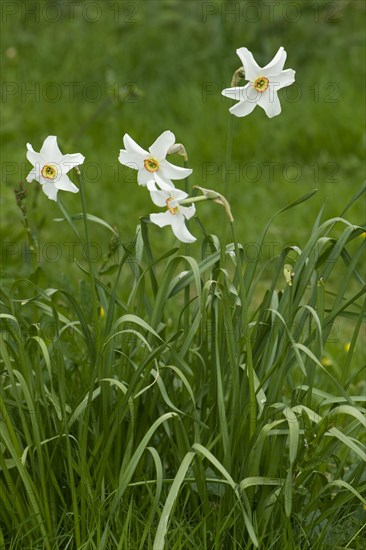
{"x":173,"y":172}
{"x":158,"y":184}
{"x":151,"y":185}
{"x":50,"y":150}
{"x":251,"y":68}
{"x":70,"y":161}
{"x":178,"y":194}
{"x":275,"y":66}
{"x":270,"y":103}
{"x":180,"y":230}
{"x":163,"y":183}
{"x":33,"y":175}
{"x":243,"y":108}
{"x":50,"y":190}
{"x":133,"y":147}
{"x":162,"y":220}
{"x":33,"y":157}
{"x":159,"y":197}
{"x":132,"y":160}
{"x":235,"y":93}
{"x":188,"y":211}
{"x":246,"y":93}
{"x":143,"y":177}
{"x":161,"y":145}
{"x":285,"y":78}
{"x":65,"y":184}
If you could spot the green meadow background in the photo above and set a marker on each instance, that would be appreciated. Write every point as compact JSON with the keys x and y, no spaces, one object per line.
{"x":66,"y":68}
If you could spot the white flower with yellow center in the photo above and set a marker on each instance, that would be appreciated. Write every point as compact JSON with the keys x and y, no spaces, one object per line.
{"x":175,"y":214}
{"x":152,"y":166}
{"x":50,"y":167}
{"x":263,"y":84}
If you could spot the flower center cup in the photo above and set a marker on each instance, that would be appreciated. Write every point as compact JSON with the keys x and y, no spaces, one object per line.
{"x":261,"y":84}
{"x":172,"y":209}
{"x":151,"y":164}
{"x":49,"y":172}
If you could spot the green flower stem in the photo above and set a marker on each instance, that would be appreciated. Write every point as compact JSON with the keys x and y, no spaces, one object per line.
{"x":79,"y":513}
{"x":186,"y":252}
{"x":237,"y":76}
{"x":229,"y":147}
{"x":28,"y":231}
{"x":91,"y":266}
{"x":96,"y":365}
{"x":248,"y":344}
{"x":186,"y":180}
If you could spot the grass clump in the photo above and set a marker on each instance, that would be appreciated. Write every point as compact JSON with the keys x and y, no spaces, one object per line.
{"x":220,"y":426}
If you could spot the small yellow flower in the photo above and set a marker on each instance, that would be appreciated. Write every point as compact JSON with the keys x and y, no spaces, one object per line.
{"x":288,"y":273}
{"x":347,"y":346}
{"x":326,"y":362}
{"x":11,"y":52}
{"x":101,"y":312}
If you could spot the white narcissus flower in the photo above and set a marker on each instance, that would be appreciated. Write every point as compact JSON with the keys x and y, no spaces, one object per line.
{"x":152,"y":165}
{"x":263,"y":84}
{"x":50,"y":167}
{"x":175,"y":215}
